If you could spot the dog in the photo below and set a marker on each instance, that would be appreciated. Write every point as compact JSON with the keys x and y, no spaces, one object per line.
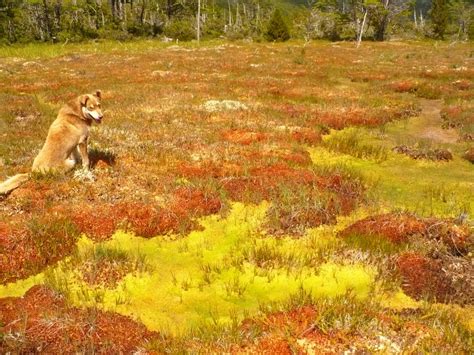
{"x":67,"y":140}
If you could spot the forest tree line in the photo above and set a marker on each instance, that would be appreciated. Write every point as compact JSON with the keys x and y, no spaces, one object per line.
{"x":75,"y":20}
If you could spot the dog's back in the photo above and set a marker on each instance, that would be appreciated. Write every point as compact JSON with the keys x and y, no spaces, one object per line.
{"x":68,"y":130}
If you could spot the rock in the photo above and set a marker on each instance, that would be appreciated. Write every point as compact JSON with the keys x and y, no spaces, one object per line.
{"x":33,"y":64}
{"x":161,"y":73}
{"x":223,"y":105}
{"x":84,"y":175}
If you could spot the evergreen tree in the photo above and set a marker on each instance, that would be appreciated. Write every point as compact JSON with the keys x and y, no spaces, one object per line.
{"x":470,"y":28}
{"x":277,"y":28}
{"x":439,"y":17}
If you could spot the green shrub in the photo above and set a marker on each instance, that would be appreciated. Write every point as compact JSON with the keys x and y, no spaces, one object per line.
{"x":439,"y":17}
{"x":182,"y":30}
{"x":139,"y":30}
{"x":277,"y":28}
{"x":470,"y":28}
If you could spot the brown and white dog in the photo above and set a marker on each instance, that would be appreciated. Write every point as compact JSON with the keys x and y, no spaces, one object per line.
{"x":67,"y":137}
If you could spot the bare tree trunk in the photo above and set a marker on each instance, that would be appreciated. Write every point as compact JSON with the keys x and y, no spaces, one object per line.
{"x":112,"y":8}
{"x":10,"y":31}
{"x":124,"y":11}
{"x":198,"y":20}
{"x":361,"y":31}
{"x":57,"y":13}
{"x":99,"y":3}
{"x":257,"y":21}
{"x":142,"y":12}
{"x":169,"y":5}
{"x":382,"y":26}
{"x":75,"y":17}
{"x":47,"y":20}
{"x":120,"y":13}
{"x":36,"y":21}
{"x":238,"y":19}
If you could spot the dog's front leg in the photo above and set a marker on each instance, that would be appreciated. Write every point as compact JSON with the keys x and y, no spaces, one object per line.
{"x":82,"y":147}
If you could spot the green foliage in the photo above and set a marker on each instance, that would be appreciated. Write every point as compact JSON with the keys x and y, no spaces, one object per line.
{"x":180,"y":29}
{"x":470,"y":26}
{"x":277,"y":28}
{"x":439,"y":17}
{"x":379,"y":18}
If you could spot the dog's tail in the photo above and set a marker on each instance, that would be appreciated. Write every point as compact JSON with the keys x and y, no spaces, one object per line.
{"x":12,"y":183}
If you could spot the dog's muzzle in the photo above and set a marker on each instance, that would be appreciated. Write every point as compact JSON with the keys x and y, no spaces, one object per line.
{"x":94,"y":115}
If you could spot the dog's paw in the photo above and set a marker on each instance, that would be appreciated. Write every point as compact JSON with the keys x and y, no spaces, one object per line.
{"x":84,"y":175}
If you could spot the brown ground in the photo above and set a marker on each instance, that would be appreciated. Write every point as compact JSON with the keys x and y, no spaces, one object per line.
{"x":431,"y":117}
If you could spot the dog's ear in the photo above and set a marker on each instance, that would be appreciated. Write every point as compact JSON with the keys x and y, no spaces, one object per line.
{"x":84,"y":99}
{"x":98,"y":93}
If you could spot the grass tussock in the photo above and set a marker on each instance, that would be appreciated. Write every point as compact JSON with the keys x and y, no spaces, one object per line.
{"x":350,"y":142}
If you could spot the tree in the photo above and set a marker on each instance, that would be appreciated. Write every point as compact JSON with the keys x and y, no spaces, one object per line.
{"x":198,"y":22}
{"x":462,"y":13}
{"x":277,"y":28}
{"x":382,"y":13}
{"x":8,"y":11}
{"x":439,"y":17}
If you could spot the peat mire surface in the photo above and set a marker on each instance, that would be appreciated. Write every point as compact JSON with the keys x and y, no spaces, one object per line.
{"x":297,"y":197}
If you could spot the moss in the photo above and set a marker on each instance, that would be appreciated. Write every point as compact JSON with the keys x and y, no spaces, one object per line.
{"x":18,"y":288}
{"x":427,"y":188}
{"x":195,"y":281}
{"x":398,"y":300}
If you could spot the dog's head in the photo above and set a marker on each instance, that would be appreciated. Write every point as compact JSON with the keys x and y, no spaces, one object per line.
{"x":90,"y":106}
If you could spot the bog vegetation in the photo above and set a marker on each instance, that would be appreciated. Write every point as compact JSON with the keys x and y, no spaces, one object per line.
{"x":302,"y":197}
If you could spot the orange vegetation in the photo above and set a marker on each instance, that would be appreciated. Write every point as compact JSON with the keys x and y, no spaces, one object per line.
{"x":291,"y":331}
{"x":243,"y":137}
{"x":41,"y":321}
{"x":29,"y":248}
{"x":398,"y":228}
{"x":148,"y":220}
{"x":423,"y":277}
